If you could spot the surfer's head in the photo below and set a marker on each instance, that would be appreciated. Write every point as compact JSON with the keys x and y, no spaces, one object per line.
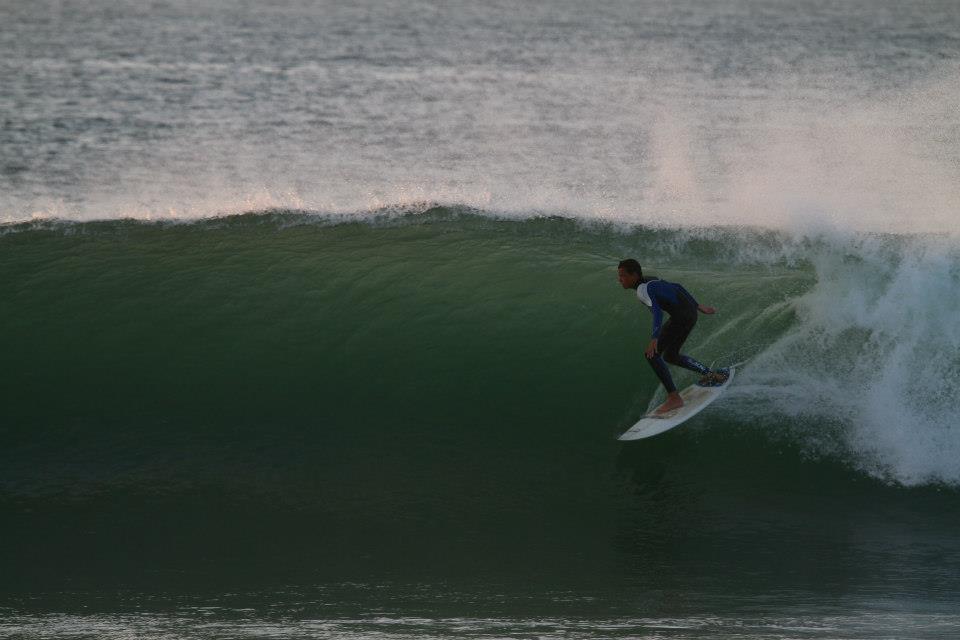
{"x":629,"y":273}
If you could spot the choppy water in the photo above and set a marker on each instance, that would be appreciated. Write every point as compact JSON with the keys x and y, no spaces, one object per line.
{"x":310,"y":321}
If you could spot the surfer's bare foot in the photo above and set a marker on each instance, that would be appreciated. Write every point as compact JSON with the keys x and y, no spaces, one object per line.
{"x":714,"y":377}
{"x":674,"y":401}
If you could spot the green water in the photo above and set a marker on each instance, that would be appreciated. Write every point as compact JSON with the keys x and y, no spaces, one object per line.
{"x":424,"y":408}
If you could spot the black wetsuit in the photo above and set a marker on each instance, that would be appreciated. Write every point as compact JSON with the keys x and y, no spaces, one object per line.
{"x":682,"y":308}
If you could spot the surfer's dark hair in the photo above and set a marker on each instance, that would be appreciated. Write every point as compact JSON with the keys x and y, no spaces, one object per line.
{"x":631,"y":266}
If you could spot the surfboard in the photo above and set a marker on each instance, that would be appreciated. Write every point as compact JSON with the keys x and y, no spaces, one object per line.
{"x":695,"y":400}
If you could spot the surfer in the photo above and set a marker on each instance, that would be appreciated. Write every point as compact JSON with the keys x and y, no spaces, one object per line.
{"x":668,"y":337}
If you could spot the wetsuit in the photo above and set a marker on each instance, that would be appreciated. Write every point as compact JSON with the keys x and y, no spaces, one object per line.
{"x":662,"y":296}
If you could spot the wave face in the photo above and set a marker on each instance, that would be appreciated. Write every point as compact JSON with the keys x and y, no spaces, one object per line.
{"x":435,"y":396}
{"x":280,"y":326}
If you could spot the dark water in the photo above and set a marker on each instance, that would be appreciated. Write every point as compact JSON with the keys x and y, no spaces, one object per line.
{"x":310,"y":325}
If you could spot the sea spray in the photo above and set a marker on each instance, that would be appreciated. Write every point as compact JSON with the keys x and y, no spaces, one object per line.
{"x":875,"y":349}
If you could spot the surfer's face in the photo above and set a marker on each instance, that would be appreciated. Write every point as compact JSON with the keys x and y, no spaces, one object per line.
{"x":627,"y":280}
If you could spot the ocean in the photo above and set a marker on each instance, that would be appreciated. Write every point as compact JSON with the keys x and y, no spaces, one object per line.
{"x":310,"y":322}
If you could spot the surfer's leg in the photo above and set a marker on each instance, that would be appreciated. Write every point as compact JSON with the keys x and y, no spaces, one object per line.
{"x":672,"y":337}
{"x":660,"y":368}
{"x":708,"y":376}
{"x":673,"y":401}
{"x":693,"y":365}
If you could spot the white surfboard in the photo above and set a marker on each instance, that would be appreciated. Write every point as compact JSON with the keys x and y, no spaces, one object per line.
{"x":695,"y":400}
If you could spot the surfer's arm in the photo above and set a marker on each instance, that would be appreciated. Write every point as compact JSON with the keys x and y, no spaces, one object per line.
{"x":653,"y":293}
{"x":657,"y":317}
{"x":707,"y":310}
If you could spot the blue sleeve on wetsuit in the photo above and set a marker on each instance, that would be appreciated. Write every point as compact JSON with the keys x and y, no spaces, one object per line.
{"x":655,"y":307}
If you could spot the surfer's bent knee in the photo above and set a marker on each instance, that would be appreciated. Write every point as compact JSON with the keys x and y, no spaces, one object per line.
{"x":672,"y":358}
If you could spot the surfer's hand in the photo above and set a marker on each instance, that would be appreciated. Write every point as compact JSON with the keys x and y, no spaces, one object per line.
{"x":651,"y":349}
{"x":707,"y":310}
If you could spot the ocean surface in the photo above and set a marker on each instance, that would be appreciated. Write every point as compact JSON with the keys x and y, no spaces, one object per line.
{"x":310,"y":324}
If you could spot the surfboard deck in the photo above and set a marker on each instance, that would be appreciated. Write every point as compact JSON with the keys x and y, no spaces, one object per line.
{"x":695,"y":400}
